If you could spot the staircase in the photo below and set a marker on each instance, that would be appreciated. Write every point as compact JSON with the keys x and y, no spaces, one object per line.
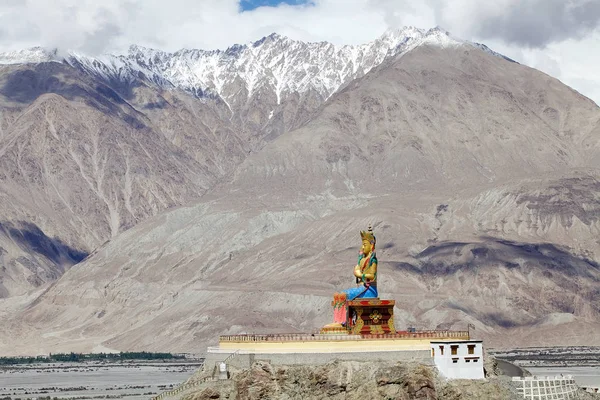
{"x":186,"y":388}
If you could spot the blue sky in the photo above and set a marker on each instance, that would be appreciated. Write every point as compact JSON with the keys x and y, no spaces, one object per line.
{"x":248,"y":5}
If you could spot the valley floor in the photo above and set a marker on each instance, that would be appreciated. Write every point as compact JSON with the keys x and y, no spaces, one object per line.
{"x":134,"y":380}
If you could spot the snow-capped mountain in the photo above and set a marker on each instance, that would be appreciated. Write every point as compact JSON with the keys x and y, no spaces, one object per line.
{"x":275,"y":63}
{"x":473,"y":169}
{"x":33,"y":55}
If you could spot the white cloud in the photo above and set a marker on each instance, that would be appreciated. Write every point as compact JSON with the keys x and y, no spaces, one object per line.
{"x":91,"y":26}
{"x":573,"y":61}
{"x":558,"y":37}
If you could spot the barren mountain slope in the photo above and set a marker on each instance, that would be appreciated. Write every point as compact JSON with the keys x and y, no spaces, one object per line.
{"x":485,"y":208}
{"x":269,"y":86}
{"x":176,"y":281}
{"x":433,"y":117}
{"x":112,"y":132}
{"x":83,"y":160}
{"x":78,"y":164}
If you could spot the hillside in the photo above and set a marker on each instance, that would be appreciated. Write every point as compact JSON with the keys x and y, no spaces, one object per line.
{"x":78,"y":165}
{"x":350,"y":380}
{"x":479,"y":175}
{"x":89,"y":147}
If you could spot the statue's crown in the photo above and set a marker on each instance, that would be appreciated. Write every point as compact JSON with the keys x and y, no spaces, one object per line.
{"x":368,"y":234}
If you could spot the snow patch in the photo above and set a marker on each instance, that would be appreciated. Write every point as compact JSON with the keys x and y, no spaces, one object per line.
{"x":28,"y":56}
{"x":275,"y":64}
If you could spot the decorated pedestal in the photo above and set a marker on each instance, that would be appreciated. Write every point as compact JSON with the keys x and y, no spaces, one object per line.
{"x":370,"y":317}
{"x":361,"y":316}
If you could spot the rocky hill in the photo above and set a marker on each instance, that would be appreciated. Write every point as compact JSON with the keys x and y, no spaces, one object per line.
{"x":355,"y":380}
{"x":479,"y":175}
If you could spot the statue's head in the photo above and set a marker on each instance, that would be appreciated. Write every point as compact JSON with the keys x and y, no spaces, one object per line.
{"x":368,"y":241}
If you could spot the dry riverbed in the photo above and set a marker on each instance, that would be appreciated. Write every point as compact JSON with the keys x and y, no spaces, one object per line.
{"x":94,"y":380}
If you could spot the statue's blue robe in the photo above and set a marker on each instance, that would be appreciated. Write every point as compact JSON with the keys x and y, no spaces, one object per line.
{"x":356,"y":293}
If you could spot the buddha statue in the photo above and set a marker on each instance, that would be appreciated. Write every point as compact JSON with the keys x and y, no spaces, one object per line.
{"x":365,"y":270}
{"x":365,"y":274}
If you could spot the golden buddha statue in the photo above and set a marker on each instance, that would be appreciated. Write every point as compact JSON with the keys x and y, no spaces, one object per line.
{"x":365,"y":270}
{"x":365,"y":273}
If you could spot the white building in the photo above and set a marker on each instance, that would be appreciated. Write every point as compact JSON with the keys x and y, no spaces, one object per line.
{"x":461,"y":359}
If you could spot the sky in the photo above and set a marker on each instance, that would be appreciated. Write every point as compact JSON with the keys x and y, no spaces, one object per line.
{"x":248,"y":5}
{"x":558,"y":37}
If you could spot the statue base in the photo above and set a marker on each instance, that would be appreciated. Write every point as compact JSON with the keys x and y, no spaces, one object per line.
{"x":370,"y":317}
{"x":362,"y":317}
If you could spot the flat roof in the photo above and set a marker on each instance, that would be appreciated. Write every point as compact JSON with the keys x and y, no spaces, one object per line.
{"x":456,"y":341}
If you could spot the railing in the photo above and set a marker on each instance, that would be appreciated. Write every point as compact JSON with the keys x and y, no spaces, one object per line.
{"x":187,"y":386}
{"x":182,"y":388}
{"x":231,"y":356}
{"x":301,"y":337}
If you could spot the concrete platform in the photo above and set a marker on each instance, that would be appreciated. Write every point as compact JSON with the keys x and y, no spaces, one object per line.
{"x":243,"y":359}
{"x":303,"y":348}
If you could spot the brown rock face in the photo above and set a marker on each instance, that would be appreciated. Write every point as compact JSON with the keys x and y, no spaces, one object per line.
{"x":209,"y":393}
{"x":350,"y":381}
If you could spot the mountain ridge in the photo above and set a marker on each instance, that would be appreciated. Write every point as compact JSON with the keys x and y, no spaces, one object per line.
{"x":181,"y":69}
{"x":479,"y":176}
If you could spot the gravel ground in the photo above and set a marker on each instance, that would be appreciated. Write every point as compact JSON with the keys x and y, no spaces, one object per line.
{"x":94,"y":380}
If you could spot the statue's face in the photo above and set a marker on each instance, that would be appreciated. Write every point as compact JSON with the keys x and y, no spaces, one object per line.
{"x":366,"y":247}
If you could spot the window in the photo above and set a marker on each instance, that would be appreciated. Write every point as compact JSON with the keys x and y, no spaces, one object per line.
{"x":468,"y":360}
{"x":454,"y":360}
{"x":442,"y":350}
{"x":475,"y":359}
{"x":432,"y":352}
{"x":454,"y":349}
{"x":471,"y":348}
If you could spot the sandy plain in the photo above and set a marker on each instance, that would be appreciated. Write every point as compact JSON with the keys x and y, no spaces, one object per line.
{"x":136,"y":380}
